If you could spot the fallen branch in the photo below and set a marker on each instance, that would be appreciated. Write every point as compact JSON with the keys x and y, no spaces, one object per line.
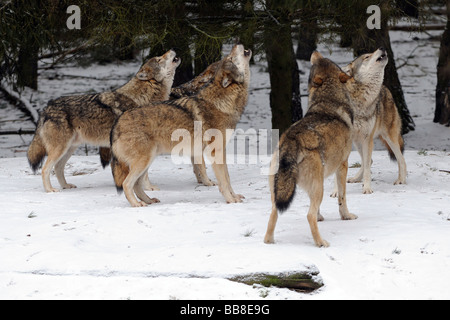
{"x":62,"y":54}
{"x":16,"y":132}
{"x":26,"y":105}
{"x":418,"y":28}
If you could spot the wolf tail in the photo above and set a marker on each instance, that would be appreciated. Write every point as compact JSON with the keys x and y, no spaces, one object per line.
{"x":120,"y":171}
{"x":285,"y":180}
{"x":36,"y":151}
{"x":105,"y":156}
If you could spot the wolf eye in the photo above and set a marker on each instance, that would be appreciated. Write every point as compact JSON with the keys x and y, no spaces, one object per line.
{"x":367,"y":57}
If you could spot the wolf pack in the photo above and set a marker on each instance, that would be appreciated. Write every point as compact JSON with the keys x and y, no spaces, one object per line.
{"x":133,"y":124}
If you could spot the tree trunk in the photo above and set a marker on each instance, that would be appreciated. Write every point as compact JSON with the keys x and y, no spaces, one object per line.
{"x":308,"y":34}
{"x":185,"y":72}
{"x":285,"y":99}
{"x":181,"y":45}
{"x":296,"y":107}
{"x":27,"y":64}
{"x":442,"y":112}
{"x":369,"y":42}
{"x":248,"y":27}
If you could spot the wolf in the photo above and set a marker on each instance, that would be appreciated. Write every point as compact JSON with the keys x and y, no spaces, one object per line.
{"x":187,"y":89}
{"x":139,"y":135}
{"x":67,"y":122}
{"x":315,"y":147}
{"x":380,"y":118}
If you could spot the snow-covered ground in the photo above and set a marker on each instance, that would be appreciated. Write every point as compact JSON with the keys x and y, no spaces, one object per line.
{"x":88,"y":243}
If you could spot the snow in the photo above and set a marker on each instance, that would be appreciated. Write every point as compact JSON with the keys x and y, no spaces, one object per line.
{"x":88,"y":243}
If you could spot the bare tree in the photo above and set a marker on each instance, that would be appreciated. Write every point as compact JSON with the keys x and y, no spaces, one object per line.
{"x":285,"y":99}
{"x":442,"y":112}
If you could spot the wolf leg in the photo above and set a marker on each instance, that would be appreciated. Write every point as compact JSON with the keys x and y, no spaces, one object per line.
{"x":223,"y":177}
{"x":269,"y":238}
{"x":59,"y":168}
{"x":367,"y":163}
{"x":147,"y":185}
{"x":341,"y":175}
{"x":315,"y":196}
{"x":54,"y":156}
{"x":137,"y":169}
{"x":396,"y":149}
{"x":200,"y":173}
{"x":139,"y":190}
{"x":219,"y":165}
{"x":358,"y":177}
{"x":334,"y":193}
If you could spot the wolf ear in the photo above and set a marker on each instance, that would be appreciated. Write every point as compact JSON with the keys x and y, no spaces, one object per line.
{"x":226,"y":81}
{"x":150,"y":71}
{"x":231,"y":73}
{"x":143,"y":75}
{"x":315,"y":57}
{"x":317,"y":81}
{"x":343,"y":77}
{"x":147,"y":76}
{"x":348,"y":69}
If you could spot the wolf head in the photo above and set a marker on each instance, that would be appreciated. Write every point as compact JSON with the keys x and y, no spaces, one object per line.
{"x":368,"y":68}
{"x":325,"y":72}
{"x":235,"y":68}
{"x":159,"y":68}
{"x":326,"y":79}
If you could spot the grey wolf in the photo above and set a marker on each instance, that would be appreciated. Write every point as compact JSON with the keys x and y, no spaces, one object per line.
{"x":187,"y":89}
{"x":315,"y":147}
{"x":67,"y":122}
{"x":139,"y":135}
{"x":375,"y":117}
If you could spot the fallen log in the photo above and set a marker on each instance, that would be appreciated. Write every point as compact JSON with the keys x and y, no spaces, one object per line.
{"x":299,"y":281}
{"x":23,"y":104}
{"x":414,"y":28}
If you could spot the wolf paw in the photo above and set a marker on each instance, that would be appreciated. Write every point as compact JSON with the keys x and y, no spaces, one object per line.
{"x":350,"y":216}
{"x":69,"y":186}
{"x":236,"y":198}
{"x":367,"y":190}
{"x":354,"y":180}
{"x":269,"y":239}
{"x":209,"y":183}
{"x":154,"y":200}
{"x":400,"y":181}
{"x":139,"y":204}
{"x":322,"y":243}
{"x":320,"y":217}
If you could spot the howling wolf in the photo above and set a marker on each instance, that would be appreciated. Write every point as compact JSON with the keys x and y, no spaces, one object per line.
{"x":70,"y":121}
